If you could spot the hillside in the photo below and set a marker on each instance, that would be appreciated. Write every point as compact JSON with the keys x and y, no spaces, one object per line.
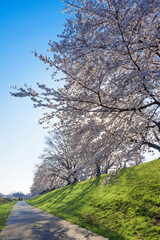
{"x":128,"y":208}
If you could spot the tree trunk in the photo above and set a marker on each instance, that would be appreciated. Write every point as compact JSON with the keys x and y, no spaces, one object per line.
{"x":108,"y":167}
{"x":75,"y":180}
{"x":98,"y":171}
{"x":68,"y":182}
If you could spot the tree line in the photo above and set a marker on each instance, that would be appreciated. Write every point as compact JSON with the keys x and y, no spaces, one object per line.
{"x":107,"y":111}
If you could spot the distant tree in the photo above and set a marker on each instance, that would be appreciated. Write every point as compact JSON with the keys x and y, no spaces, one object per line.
{"x":18,"y":194}
{"x":42,"y":181}
{"x":61,"y":158}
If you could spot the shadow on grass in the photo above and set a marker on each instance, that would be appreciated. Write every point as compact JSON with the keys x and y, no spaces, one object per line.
{"x":72,"y":208}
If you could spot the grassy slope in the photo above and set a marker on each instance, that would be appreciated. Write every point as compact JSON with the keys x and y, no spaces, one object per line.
{"x":5,"y":209}
{"x":129,"y":209}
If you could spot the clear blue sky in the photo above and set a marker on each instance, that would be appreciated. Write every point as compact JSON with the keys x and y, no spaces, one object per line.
{"x":25,"y":25}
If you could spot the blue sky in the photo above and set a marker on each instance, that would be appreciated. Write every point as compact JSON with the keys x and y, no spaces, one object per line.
{"x":25,"y":25}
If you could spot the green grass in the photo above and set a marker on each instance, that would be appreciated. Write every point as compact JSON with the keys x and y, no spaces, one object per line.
{"x":127,"y":209}
{"x":5,"y":209}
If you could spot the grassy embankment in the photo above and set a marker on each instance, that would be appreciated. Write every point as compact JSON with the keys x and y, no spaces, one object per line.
{"x":5,"y":209}
{"x":129,"y":209}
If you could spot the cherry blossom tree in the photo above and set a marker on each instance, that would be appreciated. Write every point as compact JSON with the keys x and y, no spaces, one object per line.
{"x":109,"y":54}
{"x":61,"y":158}
{"x":43,"y":181}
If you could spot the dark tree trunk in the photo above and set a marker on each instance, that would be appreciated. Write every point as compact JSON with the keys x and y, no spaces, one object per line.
{"x":98,"y":171}
{"x":124,"y":166}
{"x":68,"y":182}
{"x":107,"y":168}
{"x":75,"y":180}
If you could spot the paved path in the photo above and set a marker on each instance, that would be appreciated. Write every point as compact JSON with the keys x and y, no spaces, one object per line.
{"x":30,"y":223}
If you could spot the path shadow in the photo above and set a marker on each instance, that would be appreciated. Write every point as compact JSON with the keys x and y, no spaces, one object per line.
{"x":29,"y":223}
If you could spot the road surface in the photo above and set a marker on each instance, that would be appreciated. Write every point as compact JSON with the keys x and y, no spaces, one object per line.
{"x":29,"y":223}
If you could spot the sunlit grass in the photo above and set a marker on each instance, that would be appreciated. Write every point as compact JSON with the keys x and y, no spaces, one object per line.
{"x":128,"y":208}
{"x":5,"y":209}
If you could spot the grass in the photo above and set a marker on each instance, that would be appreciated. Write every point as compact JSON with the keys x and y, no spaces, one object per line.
{"x":127,"y":209}
{"x":5,"y":209}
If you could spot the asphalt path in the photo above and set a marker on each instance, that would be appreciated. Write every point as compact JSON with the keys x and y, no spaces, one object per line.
{"x":29,"y":223}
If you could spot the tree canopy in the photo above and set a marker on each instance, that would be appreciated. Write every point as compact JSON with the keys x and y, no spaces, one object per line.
{"x":109,"y":54}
